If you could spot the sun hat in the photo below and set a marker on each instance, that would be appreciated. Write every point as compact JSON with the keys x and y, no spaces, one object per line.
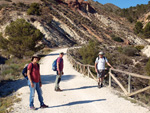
{"x":35,"y":56}
{"x":101,"y":53}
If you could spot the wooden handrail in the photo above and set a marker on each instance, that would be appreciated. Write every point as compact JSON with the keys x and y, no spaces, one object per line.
{"x":132,"y":74}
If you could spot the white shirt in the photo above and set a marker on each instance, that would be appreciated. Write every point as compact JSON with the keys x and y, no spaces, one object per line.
{"x":101,"y":63}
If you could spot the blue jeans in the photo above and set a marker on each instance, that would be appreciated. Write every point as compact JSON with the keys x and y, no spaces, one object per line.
{"x":32,"y":92}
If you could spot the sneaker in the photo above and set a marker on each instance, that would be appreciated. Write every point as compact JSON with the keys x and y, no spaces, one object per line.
{"x":44,"y":106}
{"x":99,"y":86}
{"x":58,"y":89}
{"x":32,"y":108}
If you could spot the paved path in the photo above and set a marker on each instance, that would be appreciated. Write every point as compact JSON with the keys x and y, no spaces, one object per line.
{"x":80,"y":94}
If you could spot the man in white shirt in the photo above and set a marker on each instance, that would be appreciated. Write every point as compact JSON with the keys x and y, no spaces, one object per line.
{"x":100,"y":68}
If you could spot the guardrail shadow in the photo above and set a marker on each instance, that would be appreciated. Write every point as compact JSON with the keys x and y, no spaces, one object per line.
{"x":78,"y":102}
{"x":52,"y":54}
{"x":84,"y":87}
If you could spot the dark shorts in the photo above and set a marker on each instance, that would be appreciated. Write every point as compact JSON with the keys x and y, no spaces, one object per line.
{"x":100,"y":73}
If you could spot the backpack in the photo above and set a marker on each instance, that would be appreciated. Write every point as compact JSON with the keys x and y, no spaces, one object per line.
{"x":103,"y":57}
{"x":54,"y":65}
{"x":24,"y":71}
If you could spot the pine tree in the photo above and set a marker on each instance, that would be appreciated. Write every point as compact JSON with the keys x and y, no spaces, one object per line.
{"x":22,"y":38}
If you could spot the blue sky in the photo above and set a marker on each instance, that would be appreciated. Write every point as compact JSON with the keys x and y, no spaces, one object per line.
{"x":124,"y":3}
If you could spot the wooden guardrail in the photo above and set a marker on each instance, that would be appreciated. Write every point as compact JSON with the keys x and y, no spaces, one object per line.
{"x":86,"y":70}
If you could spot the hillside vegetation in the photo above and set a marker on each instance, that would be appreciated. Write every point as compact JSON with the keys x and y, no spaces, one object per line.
{"x":134,"y":13}
{"x":128,"y":58}
{"x":28,"y":26}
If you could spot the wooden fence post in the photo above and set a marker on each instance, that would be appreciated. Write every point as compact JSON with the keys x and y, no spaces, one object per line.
{"x":110,"y":78}
{"x":129,"y":84}
{"x":80,"y":69}
{"x":88,"y":71}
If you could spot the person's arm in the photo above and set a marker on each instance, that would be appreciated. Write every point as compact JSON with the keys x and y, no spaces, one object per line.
{"x":109,"y":64}
{"x":96,"y":62}
{"x":29,"y":77}
{"x":40,"y":77}
{"x":96,"y":67}
{"x":58,"y":68}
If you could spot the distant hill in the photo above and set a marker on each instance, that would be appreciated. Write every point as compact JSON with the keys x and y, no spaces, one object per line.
{"x":111,"y":7}
{"x":134,"y":13}
{"x":67,"y":23}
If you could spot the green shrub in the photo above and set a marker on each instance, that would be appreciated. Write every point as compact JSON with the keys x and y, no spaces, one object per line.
{"x":89,"y":53}
{"x":139,"y":48}
{"x":34,"y":9}
{"x":146,"y":30}
{"x":138,"y":27}
{"x":119,"y":49}
{"x":130,"y":19}
{"x":117,"y":39}
{"x":147,"y":68}
{"x":12,"y":69}
{"x":21,"y":4}
{"x":125,"y":60}
{"x":129,"y":51}
{"x":23,"y":38}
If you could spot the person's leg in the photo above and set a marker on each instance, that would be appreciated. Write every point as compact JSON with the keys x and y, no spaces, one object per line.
{"x":98,"y":78}
{"x":32,"y":92}
{"x":102,"y":77}
{"x":56,"y":81}
{"x":59,"y":79}
{"x":101,"y":80}
{"x":39,"y":92}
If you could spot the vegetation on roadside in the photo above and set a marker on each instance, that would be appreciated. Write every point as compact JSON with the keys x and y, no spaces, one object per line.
{"x":7,"y":102}
{"x":127,"y":58}
{"x":12,"y":69}
{"x":89,"y":52}
{"x":116,"y":56}
{"x":22,"y":39}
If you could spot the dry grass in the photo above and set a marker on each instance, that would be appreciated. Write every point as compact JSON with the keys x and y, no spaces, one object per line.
{"x":18,"y":1}
{"x":7,"y":102}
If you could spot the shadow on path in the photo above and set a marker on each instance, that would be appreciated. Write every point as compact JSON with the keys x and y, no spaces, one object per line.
{"x":78,"y":102}
{"x":52,"y":54}
{"x":46,"y":79}
{"x":12,"y":86}
{"x":84,"y":87}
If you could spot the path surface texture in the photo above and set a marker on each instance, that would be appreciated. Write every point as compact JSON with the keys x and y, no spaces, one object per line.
{"x":80,"y":94}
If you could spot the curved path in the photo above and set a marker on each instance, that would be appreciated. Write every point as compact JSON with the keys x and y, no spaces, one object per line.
{"x":80,"y":94}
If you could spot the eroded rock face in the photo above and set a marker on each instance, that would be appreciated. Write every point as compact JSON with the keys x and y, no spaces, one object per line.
{"x":75,"y":4}
{"x":146,"y":51}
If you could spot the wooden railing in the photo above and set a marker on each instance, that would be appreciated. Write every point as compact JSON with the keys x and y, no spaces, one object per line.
{"x":86,"y":70}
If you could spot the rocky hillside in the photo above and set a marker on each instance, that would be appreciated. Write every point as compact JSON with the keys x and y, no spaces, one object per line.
{"x":69,"y":22}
